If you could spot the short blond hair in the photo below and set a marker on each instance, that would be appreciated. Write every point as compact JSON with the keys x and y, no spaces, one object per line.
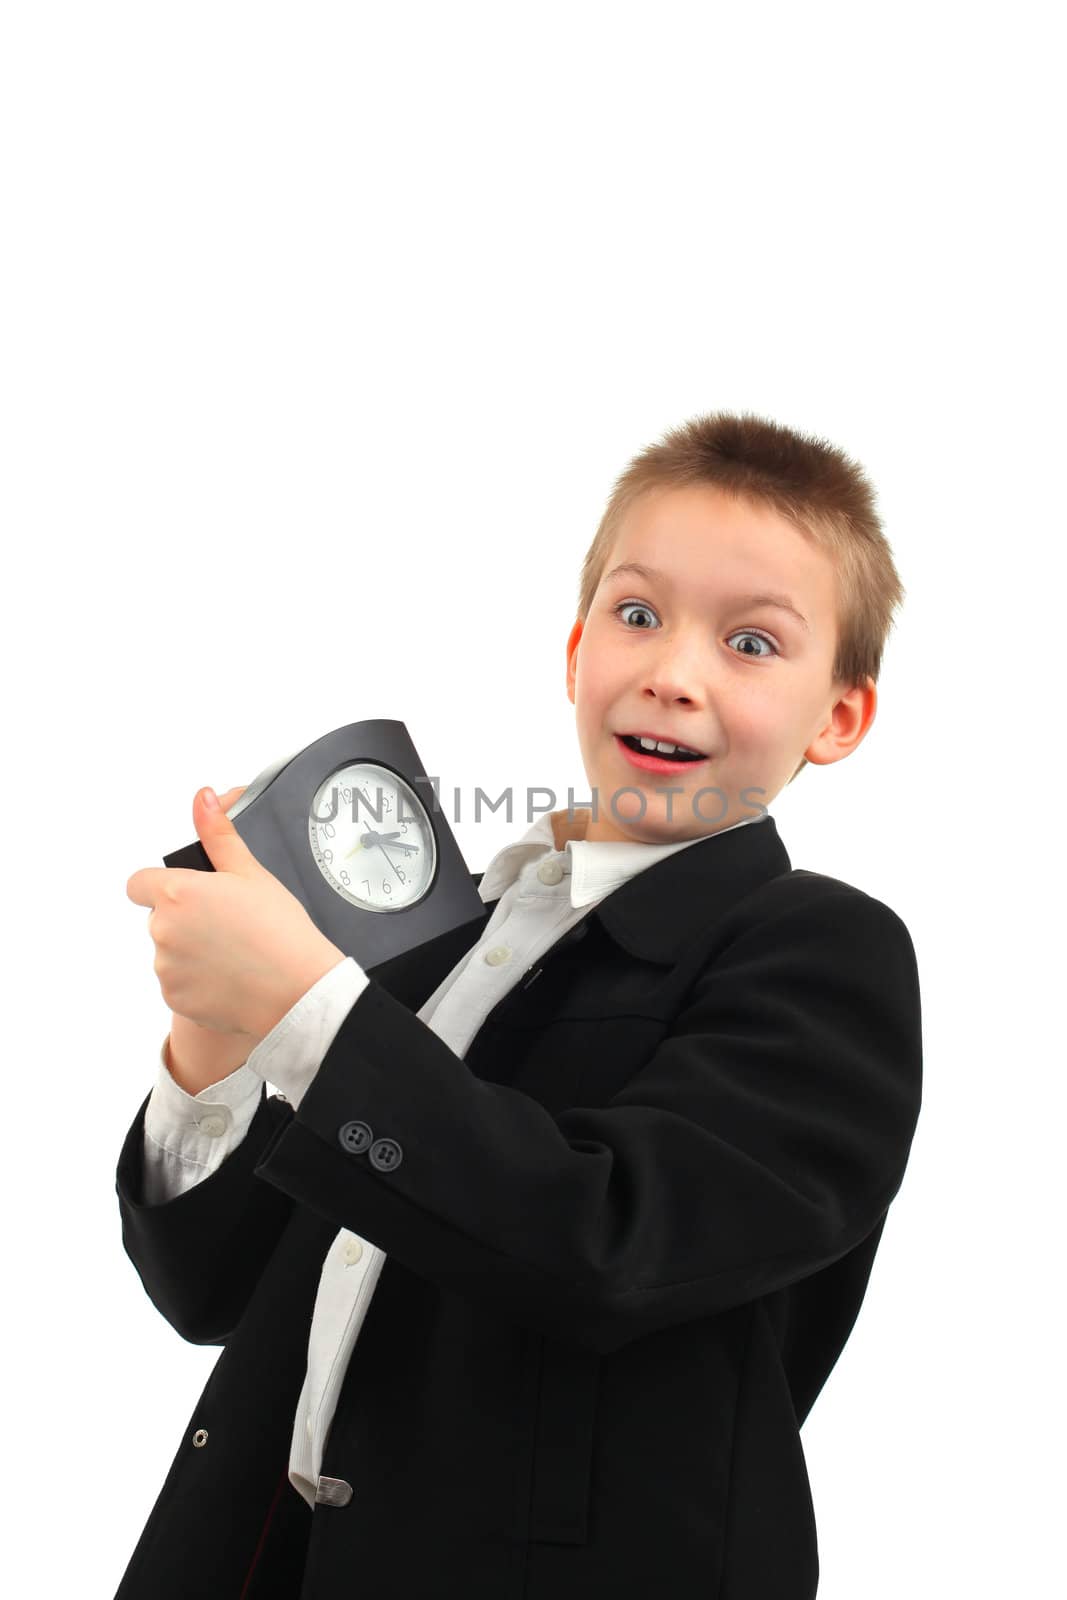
{"x":807,"y":480}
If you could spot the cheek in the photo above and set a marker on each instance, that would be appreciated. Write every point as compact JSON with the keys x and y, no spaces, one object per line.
{"x":758,"y":717}
{"x":591,"y":695}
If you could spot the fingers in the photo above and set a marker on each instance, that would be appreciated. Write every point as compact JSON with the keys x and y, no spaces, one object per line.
{"x":226,"y":800}
{"x":143,"y":887}
{"x":150,"y":885}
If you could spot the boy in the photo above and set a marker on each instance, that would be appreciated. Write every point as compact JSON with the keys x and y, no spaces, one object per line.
{"x":530,"y":1279}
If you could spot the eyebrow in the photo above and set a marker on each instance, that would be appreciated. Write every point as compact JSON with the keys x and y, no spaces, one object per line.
{"x":781,"y":602}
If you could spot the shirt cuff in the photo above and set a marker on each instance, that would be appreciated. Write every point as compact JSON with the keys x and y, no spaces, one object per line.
{"x":200,"y":1129}
{"x":293,"y":1051}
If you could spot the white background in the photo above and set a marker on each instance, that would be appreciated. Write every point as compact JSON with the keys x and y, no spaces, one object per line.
{"x":326,"y":330}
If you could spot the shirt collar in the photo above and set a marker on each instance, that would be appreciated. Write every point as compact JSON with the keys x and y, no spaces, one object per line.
{"x":593,"y":867}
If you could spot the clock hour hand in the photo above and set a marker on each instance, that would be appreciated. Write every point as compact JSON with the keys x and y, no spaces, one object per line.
{"x":370,"y":837}
{"x":393,"y":840}
{"x":397,"y":843}
{"x":386,"y":839}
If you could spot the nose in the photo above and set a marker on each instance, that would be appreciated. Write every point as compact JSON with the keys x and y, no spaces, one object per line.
{"x":672,"y":674}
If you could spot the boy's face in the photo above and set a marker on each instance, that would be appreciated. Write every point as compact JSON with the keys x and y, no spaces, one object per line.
{"x":691,"y":660}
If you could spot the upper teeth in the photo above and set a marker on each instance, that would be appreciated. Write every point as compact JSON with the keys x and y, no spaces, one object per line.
{"x":661,"y":744}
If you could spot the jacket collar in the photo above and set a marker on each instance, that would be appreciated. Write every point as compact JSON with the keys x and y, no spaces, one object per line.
{"x":658,"y":911}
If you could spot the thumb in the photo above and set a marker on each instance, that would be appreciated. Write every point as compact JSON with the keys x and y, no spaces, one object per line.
{"x":226,"y":850}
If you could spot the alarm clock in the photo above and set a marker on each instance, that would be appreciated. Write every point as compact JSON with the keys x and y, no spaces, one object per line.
{"x":351,"y":826}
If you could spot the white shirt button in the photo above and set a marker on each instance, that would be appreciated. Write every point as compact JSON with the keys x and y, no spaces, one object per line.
{"x":550,"y":872}
{"x":353,"y":1251}
{"x":213,"y":1124}
{"x":497,"y":956}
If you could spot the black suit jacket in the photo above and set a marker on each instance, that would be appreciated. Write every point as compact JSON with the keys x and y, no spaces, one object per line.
{"x":627,"y":1238}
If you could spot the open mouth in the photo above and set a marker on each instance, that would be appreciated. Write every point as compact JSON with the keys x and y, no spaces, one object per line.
{"x":679,"y":757}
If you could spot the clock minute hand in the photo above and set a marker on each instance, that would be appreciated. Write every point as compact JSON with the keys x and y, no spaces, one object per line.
{"x":376,"y":840}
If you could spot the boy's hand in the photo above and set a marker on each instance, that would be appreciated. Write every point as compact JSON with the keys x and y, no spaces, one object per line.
{"x":234,"y":949}
{"x":198,"y":1057}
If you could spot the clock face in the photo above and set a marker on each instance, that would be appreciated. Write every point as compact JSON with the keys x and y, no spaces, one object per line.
{"x":372,"y":838}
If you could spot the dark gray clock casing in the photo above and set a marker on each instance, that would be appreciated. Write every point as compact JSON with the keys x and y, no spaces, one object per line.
{"x":272,"y":818}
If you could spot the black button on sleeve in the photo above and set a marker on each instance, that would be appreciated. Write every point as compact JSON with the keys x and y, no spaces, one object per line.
{"x":355,"y":1137}
{"x":386,"y":1155}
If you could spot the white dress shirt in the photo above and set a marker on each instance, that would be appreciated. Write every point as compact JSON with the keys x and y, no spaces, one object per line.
{"x":545,"y":883}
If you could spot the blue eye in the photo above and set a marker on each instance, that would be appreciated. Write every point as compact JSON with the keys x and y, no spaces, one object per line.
{"x":740,"y":633}
{"x":753,"y":633}
{"x":638,"y":605}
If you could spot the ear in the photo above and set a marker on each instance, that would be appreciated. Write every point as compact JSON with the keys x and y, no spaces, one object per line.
{"x":573,"y":639}
{"x":848,"y":721}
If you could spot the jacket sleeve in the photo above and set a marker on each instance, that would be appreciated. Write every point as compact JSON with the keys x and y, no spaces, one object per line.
{"x":764,"y":1139}
{"x":200,"y":1254}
